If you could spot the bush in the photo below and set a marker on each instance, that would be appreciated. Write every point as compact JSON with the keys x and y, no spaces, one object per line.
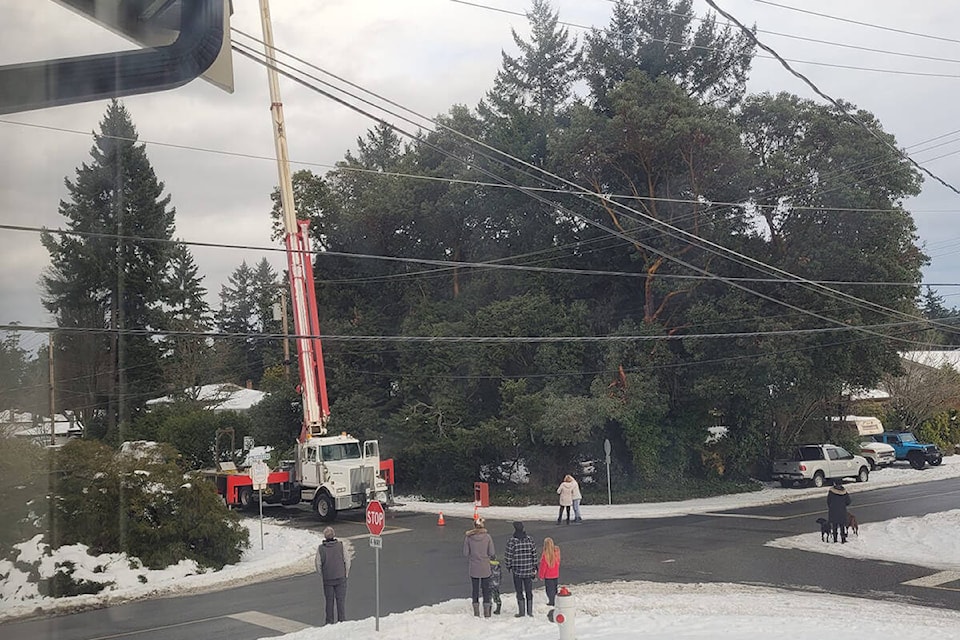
{"x":190,"y":430}
{"x":23,"y":491}
{"x":141,"y":505}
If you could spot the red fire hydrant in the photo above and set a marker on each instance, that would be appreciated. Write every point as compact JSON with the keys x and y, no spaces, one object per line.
{"x":565,"y":614}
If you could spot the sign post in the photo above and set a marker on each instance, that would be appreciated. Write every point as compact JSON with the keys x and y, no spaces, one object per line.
{"x":258,"y":473}
{"x":606,"y":450}
{"x":375,"y":522}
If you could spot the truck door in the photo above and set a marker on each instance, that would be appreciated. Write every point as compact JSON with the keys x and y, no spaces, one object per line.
{"x":371,"y":450}
{"x":310,"y":465}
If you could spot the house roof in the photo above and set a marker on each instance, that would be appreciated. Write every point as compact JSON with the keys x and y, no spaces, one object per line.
{"x":21,"y":423}
{"x":934,"y":359}
{"x":219,"y":397}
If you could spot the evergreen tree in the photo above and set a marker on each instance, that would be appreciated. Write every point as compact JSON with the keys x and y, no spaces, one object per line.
{"x":13,"y":370}
{"x":107,"y":277}
{"x":187,"y":356}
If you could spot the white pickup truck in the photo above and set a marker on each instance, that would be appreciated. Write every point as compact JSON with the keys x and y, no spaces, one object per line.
{"x":817,"y":463}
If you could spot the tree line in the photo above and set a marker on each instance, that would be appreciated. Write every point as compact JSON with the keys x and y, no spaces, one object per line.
{"x":618,"y":242}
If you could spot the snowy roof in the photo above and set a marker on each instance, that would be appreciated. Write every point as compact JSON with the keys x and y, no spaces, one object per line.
{"x":869,"y":394}
{"x":934,"y":359}
{"x":22,"y":424}
{"x":218,"y":397}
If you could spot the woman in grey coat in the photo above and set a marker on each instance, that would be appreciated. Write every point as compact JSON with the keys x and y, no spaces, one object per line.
{"x":478,"y":548}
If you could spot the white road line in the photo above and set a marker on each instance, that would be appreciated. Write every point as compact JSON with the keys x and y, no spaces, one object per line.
{"x":386,"y":532}
{"x":935,"y":580}
{"x":268,"y":621}
{"x":744,"y":515}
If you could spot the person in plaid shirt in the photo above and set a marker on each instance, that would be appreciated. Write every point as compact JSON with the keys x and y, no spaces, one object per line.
{"x":521,"y":559}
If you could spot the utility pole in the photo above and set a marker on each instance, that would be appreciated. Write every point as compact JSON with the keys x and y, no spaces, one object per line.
{"x":50,"y":381}
{"x":286,"y":335}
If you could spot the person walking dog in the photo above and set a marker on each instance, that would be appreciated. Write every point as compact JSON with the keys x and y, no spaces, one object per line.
{"x":837,"y":502}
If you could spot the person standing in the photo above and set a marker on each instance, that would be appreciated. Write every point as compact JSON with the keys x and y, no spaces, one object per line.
{"x":549,"y":570}
{"x":495,"y":575}
{"x":577,"y":497}
{"x":521,"y":559}
{"x":478,"y":548}
{"x":837,"y":502}
{"x":333,"y":565}
{"x":566,"y":497}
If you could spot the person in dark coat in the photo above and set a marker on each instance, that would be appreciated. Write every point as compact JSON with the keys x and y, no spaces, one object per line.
{"x":333,"y":565}
{"x":478,"y":548}
{"x":521,"y":559}
{"x":837,"y":502}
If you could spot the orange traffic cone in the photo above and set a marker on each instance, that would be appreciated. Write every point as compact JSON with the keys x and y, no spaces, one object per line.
{"x":476,"y":512}
{"x":440,"y":521}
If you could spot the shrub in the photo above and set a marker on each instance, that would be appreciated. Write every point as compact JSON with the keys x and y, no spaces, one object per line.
{"x":23,"y":490}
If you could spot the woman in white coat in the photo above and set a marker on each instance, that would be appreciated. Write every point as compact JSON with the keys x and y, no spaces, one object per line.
{"x":565,"y":490}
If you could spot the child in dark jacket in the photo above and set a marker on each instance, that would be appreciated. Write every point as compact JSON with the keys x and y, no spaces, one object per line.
{"x":495,"y":573}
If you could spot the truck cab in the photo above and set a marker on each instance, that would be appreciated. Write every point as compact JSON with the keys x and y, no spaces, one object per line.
{"x":908,"y":448}
{"x":339,"y":472}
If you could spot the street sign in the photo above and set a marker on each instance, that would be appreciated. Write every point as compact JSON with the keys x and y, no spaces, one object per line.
{"x":258,"y":473}
{"x":376,"y":542}
{"x":375,"y":518}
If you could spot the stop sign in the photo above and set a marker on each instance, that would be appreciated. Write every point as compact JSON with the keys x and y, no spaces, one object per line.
{"x":375,"y":519}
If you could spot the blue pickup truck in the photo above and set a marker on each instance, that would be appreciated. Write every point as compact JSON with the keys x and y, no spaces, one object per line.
{"x":908,"y":448}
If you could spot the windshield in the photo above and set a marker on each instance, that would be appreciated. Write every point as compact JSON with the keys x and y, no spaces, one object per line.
{"x":341,"y":451}
{"x":907,"y":437}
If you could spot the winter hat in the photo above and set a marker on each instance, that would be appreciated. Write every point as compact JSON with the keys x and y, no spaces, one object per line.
{"x":838,"y":483}
{"x":518,"y":527}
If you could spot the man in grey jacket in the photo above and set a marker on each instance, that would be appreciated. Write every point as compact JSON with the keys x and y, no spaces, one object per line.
{"x":334,"y":567}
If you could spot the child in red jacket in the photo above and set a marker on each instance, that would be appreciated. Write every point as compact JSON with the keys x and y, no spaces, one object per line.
{"x":549,"y":570}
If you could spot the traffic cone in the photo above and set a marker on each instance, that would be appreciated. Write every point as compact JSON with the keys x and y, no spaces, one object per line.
{"x":440,"y":521}
{"x":476,"y":512}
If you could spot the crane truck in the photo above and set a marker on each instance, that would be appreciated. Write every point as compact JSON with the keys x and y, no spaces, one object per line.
{"x":330,"y":472}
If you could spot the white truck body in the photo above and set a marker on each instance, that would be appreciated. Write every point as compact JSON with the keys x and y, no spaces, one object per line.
{"x":335,"y":473}
{"x":817,"y":463}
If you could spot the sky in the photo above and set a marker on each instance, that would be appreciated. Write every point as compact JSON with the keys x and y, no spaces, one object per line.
{"x":608,"y":611}
{"x":426,"y":55}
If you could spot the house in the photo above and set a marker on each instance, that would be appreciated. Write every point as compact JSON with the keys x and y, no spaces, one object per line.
{"x":216,"y":397}
{"x":21,"y":424}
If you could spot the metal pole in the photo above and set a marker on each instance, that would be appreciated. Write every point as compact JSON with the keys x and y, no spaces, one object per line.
{"x":609,"y":495}
{"x":286,"y":334}
{"x":261,"y":516}
{"x":50,"y":378}
{"x":377,"y":569}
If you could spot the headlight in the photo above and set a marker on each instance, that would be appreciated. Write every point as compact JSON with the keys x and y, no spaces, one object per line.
{"x":381,"y":496}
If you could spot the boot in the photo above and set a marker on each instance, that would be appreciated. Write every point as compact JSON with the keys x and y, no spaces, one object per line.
{"x":496,"y":611}
{"x":486,"y":609}
{"x":520,"y":603}
{"x":476,"y":609}
{"x":530,"y":607}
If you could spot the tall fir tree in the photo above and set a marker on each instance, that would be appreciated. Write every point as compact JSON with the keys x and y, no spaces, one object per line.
{"x":106,"y":278}
{"x":186,"y":360}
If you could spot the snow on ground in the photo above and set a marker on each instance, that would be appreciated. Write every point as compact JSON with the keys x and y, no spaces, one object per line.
{"x":771,"y":493}
{"x":604,"y":611}
{"x":654,"y":611}
{"x":286,"y":551}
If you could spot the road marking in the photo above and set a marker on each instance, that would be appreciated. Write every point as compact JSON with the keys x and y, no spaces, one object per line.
{"x":745,"y":515}
{"x":274,"y":623}
{"x":934,"y":581}
{"x":386,"y":532}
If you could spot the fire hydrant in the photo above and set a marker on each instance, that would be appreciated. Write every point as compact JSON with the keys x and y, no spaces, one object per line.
{"x":565,"y":614}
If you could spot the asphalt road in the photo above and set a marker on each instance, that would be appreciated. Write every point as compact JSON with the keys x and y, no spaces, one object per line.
{"x":421,"y":564}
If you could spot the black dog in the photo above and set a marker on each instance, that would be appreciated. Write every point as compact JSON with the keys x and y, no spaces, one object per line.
{"x":824,"y":529}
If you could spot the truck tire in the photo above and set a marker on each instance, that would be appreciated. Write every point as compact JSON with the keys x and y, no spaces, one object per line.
{"x":245,"y":498}
{"x":863,"y":475}
{"x":936,"y":461}
{"x":323,"y":505}
{"x":916,"y":460}
{"x":818,"y":479}
{"x":873,"y":465}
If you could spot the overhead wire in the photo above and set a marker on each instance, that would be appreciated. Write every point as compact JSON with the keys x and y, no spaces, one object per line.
{"x":666,"y":228}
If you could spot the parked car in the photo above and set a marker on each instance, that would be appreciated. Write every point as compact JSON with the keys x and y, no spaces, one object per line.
{"x":817,"y":463}
{"x":878,"y":454}
{"x":908,"y":448}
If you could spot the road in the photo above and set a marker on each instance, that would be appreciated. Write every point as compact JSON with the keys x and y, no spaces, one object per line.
{"x":421,"y":564}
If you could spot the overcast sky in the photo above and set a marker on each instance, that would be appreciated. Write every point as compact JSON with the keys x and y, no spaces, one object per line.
{"x":426,"y":55}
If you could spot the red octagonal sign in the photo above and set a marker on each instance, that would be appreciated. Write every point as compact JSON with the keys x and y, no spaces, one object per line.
{"x":375,"y":518}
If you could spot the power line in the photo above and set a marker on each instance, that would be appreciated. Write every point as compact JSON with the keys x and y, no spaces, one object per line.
{"x":856,"y":22}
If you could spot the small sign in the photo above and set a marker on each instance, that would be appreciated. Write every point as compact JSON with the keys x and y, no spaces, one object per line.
{"x":258,"y":473}
{"x":376,"y":542}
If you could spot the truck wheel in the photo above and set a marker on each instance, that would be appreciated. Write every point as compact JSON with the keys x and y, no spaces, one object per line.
{"x":818,"y":479}
{"x":323,"y":505}
{"x":786,"y":484}
{"x":864,"y":475}
{"x":936,"y":461}
{"x":873,"y":465}
{"x":245,"y":497}
{"x":916,"y":460}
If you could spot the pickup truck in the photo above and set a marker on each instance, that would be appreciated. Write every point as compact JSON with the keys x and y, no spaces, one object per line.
{"x":906,"y":446}
{"x":817,"y":463}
